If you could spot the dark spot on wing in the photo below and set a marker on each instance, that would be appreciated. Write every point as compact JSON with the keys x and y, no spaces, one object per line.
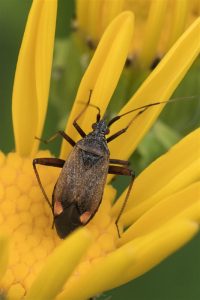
{"x":89,"y":159}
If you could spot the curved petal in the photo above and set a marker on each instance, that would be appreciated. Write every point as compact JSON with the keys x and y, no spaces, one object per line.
{"x":84,"y":19}
{"x":180,"y":14}
{"x":131,"y":260}
{"x":31,"y":84}
{"x":94,"y":16}
{"x":110,"y":10}
{"x":102,"y":274}
{"x":153,"y":30}
{"x":170,"y":173}
{"x":59,"y":266}
{"x":184,"y":204}
{"x":102,"y":74}
{"x":92,"y":11}
{"x":159,"y":86}
{"x":149,"y":250}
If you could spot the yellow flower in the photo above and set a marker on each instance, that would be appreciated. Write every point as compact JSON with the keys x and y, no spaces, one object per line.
{"x":163,"y":212}
{"x":158,"y":23}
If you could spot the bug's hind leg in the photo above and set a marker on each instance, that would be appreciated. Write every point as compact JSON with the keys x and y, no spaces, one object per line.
{"x":118,"y":170}
{"x":52,"y":162}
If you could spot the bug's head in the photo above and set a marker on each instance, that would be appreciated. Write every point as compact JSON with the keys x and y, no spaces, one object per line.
{"x":101,"y":127}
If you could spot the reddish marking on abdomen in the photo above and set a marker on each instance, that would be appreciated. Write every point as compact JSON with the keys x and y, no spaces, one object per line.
{"x":85,"y":217}
{"x":58,"y":209}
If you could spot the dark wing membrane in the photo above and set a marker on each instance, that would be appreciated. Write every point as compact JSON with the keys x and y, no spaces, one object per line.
{"x":82,"y":180}
{"x":67,"y":221}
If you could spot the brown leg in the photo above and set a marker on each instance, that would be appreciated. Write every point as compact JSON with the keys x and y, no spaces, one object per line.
{"x":119,"y":162}
{"x":52,"y":162}
{"x":75,"y":124}
{"x":59,"y":133}
{"x":79,"y":129}
{"x":126,"y":172}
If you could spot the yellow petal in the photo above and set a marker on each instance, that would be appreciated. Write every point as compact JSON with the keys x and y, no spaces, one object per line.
{"x":110,"y":10}
{"x":43,"y":61}
{"x":94,"y":16}
{"x":4,"y":255}
{"x":82,"y":17}
{"x":153,"y":30}
{"x":92,"y":11}
{"x":59,"y":266}
{"x":130,"y":261}
{"x":170,"y":173}
{"x":184,"y":204}
{"x":180,"y":14}
{"x":159,"y":86}
{"x":31,"y":84}
{"x":103,"y":273}
{"x":151,"y":249}
{"x":102,"y":74}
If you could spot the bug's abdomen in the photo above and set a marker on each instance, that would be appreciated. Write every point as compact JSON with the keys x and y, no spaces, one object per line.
{"x":82,"y":181}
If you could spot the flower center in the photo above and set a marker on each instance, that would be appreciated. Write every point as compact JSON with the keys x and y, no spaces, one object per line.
{"x":27,"y":219}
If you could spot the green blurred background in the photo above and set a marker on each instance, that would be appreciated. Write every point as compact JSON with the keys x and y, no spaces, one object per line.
{"x":178,"y":277}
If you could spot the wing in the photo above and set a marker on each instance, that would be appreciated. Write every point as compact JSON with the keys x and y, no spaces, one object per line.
{"x":82,"y":181}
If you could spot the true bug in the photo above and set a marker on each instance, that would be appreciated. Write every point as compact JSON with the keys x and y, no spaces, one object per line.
{"x":79,"y":189}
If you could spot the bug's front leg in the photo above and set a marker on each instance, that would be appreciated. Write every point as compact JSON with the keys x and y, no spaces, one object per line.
{"x":75,"y":124}
{"x":125,"y":171}
{"x":59,"y":133}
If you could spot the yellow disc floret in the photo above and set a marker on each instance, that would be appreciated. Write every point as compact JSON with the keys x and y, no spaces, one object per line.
{"x":27,"y":219}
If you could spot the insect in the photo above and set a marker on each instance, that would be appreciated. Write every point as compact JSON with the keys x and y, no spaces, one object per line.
{"x":79,"y":189}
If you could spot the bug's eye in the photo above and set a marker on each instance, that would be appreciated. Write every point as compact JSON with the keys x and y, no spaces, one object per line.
{"x":94,"y":126}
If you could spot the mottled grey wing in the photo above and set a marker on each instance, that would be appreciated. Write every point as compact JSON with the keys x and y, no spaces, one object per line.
{"x":82,"y":180}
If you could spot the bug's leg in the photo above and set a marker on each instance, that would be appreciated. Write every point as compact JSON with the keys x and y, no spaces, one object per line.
{"x":75,"y":124}
{"x":52,"y":162}
{"x":116,"y":170}
{"x":59,"y":133}
{"x":119,"y":162}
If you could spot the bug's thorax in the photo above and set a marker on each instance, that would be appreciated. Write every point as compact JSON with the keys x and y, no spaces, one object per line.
{"x":95,"y":142}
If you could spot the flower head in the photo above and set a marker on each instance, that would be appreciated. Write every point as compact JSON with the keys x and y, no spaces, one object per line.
{"x":161,"y":218}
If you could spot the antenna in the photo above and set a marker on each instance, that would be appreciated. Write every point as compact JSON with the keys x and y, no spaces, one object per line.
{"x":141,"y":109}
{"x":144,"y":107}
